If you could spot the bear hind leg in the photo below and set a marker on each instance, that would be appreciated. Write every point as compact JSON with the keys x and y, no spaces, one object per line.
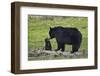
{"x":75,"y":48}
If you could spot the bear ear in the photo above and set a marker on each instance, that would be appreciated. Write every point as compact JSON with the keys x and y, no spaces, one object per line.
{"x":50,"y":28}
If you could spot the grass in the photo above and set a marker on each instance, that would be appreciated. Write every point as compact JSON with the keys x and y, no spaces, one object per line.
{"x":38,"y":27}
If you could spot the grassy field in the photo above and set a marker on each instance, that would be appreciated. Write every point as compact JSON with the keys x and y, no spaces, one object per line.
{"x":38,"y":28}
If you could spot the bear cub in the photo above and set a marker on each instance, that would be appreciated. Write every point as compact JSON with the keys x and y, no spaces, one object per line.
{"x":48,"y":44}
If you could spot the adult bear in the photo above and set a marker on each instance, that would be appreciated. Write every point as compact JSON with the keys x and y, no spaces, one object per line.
{"x":70,"y":36}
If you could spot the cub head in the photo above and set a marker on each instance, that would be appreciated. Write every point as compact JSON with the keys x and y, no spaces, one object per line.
{"x":47,"y":40}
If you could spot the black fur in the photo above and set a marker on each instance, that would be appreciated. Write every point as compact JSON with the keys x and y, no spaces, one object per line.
{"x":48,"y":44}
{"x":70,"y":36}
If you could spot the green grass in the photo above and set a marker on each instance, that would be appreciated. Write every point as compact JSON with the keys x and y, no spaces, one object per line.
{"x":38,"y":27}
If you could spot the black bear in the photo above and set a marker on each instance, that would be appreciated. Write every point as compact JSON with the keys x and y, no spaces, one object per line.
{"x":66,"y":35}
{"x":48,"y":44}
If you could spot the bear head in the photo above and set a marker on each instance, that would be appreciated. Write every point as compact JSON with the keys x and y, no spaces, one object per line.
{"x":52,"y":33}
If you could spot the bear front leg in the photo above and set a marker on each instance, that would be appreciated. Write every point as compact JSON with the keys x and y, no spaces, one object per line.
{"x":58,"y":46}
{"x":62,"y":47}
